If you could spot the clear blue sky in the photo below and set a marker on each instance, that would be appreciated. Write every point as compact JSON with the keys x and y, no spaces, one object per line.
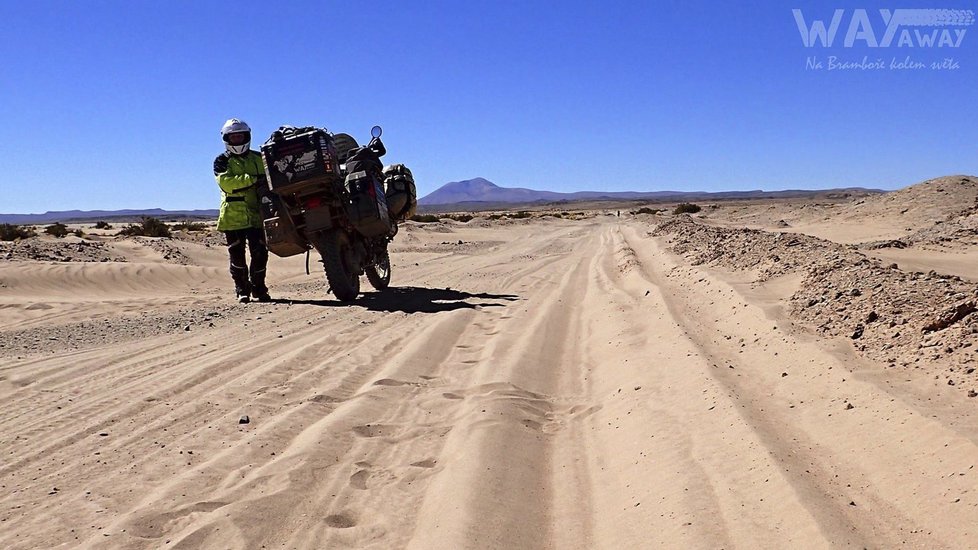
{"x":111,"y":104}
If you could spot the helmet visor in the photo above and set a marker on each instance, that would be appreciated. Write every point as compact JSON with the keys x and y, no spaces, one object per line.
{"x":237,"y":138}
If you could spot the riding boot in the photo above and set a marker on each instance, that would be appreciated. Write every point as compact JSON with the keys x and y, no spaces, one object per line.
{"x":239,"y":264}
{"x":259,"y":261}
{"x":242,"y":288}
{"x":258,"y":289}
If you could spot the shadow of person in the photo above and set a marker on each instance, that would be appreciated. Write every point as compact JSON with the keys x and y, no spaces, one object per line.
{"x":412,"y":299}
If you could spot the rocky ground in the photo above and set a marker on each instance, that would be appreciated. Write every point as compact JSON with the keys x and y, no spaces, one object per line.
{"x":959,"y":229}
{"x":900,"y":319}
{"x":107,"y":247}
{"x":63,"y":250}
{"x":167,"y":248}
{"x":208,"y":238}
{"x":115,"y":329}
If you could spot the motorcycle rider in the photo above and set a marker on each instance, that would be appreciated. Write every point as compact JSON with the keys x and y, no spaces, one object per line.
{"x":240,"y":173}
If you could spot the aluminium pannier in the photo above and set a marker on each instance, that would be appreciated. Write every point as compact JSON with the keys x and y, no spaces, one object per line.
{"x":301,"y":161}
{"x":367,"y":208}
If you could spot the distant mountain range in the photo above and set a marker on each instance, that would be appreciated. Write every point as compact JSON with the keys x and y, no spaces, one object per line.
{"x":108,"y":215}
{"x":481,"y":190}
{"x":474,"y":194}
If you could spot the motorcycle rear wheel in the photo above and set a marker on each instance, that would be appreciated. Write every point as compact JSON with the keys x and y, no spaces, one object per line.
{"x":340,"y":264}
{"x":379,"y":274}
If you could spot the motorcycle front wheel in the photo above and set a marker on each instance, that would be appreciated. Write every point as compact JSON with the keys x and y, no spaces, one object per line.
{"x":379,"y":274}
{"x":340,"y":264}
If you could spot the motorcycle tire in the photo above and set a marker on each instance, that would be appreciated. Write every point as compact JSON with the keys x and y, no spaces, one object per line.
{"x":379,"y":274}
{"x":340,"y":264}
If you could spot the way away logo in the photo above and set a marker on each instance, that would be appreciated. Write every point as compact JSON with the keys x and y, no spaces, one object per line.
{"x":930,"y":31}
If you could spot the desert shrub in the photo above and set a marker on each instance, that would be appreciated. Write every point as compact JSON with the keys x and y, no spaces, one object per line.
{"x":10,"y":232}
{"x":686,"y":208}
{"x":189,"y":226}
{"x":464,"y":218}
{"x":103,"y":225}
{"x":520,"y":215}
{"x":495,"y":216}
{"x":424,"y":218}
{"x":645,"y":210}
{"x":148,"y":227}
{"x":59,"y":230}
{"x":78,"y":233}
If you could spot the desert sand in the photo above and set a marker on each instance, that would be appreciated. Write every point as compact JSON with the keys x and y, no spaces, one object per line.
{"x":753,"y":376}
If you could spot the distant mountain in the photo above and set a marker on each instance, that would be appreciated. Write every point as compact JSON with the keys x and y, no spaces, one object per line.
{"x":481,"y":190}
{"x":474,"y":194}
{"x":89,"y":215}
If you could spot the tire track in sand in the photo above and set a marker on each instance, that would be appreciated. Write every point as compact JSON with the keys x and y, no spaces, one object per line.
{"x":372,"y":435}
{"x":847,"y":469}
{"x":596,"y":410}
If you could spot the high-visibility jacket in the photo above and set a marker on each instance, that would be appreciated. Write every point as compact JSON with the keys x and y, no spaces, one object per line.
{"x":236,"y":175}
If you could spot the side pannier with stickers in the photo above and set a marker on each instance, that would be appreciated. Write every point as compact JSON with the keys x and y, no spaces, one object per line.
{"x":301,"y":161}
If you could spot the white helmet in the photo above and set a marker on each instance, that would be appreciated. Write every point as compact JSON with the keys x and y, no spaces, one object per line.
{"x":237,"y":136}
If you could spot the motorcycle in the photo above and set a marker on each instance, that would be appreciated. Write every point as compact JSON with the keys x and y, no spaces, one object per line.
{"x":326,"y":193}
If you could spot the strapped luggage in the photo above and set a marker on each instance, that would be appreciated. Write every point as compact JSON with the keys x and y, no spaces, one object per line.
{"x":361,"y":159}
{"x":401,"y":193}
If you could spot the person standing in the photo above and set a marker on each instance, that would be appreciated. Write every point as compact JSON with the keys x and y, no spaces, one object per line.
{"x":240,"y":173}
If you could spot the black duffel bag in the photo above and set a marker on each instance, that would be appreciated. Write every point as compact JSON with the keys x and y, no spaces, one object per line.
{"x":363,"y":159}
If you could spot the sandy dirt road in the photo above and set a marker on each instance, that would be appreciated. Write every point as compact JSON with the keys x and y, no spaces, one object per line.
{"x":548,"y":385}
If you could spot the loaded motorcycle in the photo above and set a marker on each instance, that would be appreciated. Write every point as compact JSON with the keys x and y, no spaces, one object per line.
{"x":329,"y":194}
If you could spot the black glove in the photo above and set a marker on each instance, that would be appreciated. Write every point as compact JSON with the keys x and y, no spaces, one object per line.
{"x":261,"y":185}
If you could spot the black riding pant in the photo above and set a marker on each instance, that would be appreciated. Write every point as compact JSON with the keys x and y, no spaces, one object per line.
{"x":255,"y":240}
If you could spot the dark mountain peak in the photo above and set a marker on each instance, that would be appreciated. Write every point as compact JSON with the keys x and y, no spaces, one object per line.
{"x":476,"y":189}
{"x":473,"y":185}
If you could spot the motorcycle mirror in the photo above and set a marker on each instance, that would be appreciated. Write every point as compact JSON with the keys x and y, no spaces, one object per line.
{"x":376,"y":131}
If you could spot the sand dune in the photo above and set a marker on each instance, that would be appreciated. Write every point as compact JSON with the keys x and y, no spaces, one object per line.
{"x":542,"y":384}
{"x":896,"y":215}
